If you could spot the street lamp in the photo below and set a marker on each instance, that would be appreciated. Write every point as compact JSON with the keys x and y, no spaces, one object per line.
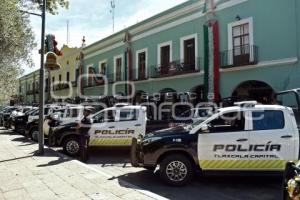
{"x":42,"y":78}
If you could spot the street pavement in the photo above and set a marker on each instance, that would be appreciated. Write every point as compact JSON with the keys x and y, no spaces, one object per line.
{"x":116,"y":162}
{"x":26,"y":175}
{"x":109,"y":175}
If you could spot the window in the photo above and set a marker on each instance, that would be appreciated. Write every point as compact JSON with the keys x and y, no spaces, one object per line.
{"x":141,"y":64}
{"x":118,"y":69}
{"x":72,"y":113}
{"x":240,"y":42}
{"x":240,"y":37}
{"x":105,"y":116}
{"x":53,"y":82}
{"x":47,"y":84}
{"x":77,"y":75}
{"x":268,"y":120}
{"x":102,"y":69}
{"x":91,"y":76}
{"x":189,"y":52}
{"x":228,"y":122}
{"x":128,"y":115}
{"x":46,"y":111}
{"x":59,"y":78}
{"x":164,"y":57}
{"x":68,"y":76}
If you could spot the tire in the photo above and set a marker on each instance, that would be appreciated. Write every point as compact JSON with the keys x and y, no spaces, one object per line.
{"x":71,"y":146}
{"x":34,"y":134}
{"x":176,"y":170}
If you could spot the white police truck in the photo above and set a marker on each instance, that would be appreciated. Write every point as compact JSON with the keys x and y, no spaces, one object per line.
{"x":115,"y":126}
{"x":245,"y":137}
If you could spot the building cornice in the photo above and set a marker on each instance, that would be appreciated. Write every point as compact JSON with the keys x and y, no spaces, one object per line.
{"x":145,"y":26}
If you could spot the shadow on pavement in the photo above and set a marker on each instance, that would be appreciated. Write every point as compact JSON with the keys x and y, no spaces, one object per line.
{"x":230,"y":187}
{"x":209,"y":187}
{"x":8,"y":132}
{"x":23,"y":145}
{"x":19,"y":158}
{"x":108,"y":156}
{"x":22,"y":139}
{"x":60,"y":160}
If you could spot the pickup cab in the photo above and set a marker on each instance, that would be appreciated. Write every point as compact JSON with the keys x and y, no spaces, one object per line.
{"x":115,"y":126}
{"x":246,"y":137}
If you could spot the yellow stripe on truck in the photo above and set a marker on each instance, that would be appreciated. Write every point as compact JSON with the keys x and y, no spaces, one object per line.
{"x":242,"y":164}
{"x":110,"y":142}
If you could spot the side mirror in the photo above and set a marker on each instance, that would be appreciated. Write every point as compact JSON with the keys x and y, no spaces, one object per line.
{"x":204,"y":128}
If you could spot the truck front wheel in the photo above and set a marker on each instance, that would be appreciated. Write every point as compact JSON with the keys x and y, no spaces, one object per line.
{"x":176,"y":170}
{"x":34,"y":134}
{"x":71,"y":146}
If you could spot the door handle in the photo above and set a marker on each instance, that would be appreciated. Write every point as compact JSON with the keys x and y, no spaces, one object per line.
{"x":286,"y":136}
{"x":111,"y":127}
{"x":138,"y":125}
{"x":242,"y":140}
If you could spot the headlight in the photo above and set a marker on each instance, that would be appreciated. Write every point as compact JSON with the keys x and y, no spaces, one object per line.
{"x":150,"y":140}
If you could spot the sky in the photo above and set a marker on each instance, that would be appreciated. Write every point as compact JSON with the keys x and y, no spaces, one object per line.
{"x":92,"y":19}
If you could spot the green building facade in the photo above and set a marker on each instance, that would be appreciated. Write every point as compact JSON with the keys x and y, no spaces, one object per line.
{"x":257,"y":44}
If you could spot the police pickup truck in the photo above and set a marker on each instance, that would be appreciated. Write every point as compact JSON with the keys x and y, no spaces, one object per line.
{"x":115,"y":126}
{"x":245,"y":137}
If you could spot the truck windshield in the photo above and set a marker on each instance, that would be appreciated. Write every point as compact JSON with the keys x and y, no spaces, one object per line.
{"x":196,"y":123}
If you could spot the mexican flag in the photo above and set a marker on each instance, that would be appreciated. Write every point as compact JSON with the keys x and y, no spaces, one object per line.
{"x":211,"y":60}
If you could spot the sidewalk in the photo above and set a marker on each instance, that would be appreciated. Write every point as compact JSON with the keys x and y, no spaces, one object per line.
{"x":23,"y":175}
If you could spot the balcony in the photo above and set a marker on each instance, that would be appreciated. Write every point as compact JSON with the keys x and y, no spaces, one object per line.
{"x":241,"y":56}
{"x":139,"y":75}
{"x":61,"y":86}
{"x":175,"y":68}
{"x":98,"y":81}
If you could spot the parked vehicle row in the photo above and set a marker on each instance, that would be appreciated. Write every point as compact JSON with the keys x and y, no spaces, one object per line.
{"x":242,"y":137}
{"x":115,"y":126}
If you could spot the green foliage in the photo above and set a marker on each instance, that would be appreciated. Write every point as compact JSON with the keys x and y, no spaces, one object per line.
{"x":17,"y":39}
{"x":16,"y":44}
{"x":52,"y":6}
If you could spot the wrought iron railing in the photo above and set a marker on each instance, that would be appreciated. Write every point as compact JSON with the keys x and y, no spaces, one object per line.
{"x":98,"y":81}
{"x":61,"y":86}
{"x":175,"y":68}
{"x":239,"y":56}
{"x":139,"y":75}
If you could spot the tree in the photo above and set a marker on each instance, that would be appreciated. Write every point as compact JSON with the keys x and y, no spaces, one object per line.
{"x":17,"y":39}
{"x":52,"y":6}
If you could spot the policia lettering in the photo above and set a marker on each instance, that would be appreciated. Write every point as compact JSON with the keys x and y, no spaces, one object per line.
{"x":240,"y":148}
{"x":115,"y":132}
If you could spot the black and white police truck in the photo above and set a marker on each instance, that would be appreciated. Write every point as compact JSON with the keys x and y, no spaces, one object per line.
{"x":245,"y":137}
{"x":115,"y":126}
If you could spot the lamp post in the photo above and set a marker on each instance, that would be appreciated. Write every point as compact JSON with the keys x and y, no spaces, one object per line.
{"x":42,"y":78}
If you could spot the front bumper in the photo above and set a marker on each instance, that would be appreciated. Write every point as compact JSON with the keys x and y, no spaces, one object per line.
{"x":136,"y":153}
